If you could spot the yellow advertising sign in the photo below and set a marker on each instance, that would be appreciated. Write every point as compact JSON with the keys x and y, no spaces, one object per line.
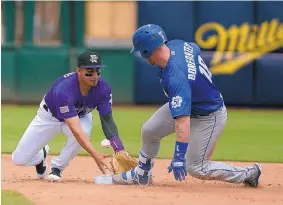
{"x":239,"y":45}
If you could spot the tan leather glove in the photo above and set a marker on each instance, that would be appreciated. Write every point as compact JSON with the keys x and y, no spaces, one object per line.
{"x":122,"y":161}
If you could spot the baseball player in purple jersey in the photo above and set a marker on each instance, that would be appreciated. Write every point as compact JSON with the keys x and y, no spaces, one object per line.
{"x":195,"y":112}
{"x":67,"y":108}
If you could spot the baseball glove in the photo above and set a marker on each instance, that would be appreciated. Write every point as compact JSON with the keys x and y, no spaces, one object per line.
{"x":122,"y":161}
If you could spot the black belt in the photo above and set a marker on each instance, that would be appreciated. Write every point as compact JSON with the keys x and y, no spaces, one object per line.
{"x":45,"y":107}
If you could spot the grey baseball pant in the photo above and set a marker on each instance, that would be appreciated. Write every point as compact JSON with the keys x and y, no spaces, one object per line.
{"x":204,"y":133}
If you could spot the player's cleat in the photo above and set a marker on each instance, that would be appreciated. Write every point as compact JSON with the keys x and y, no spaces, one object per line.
{"x":253,"y":179}
{"x":132,"y":177}
{"x":55,"y":175}
{"x":41,"y":168}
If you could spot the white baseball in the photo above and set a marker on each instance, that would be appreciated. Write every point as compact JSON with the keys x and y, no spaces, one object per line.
{"x":105,"y":143}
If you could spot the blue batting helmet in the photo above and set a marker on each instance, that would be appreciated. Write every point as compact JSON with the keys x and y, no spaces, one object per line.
{"x":147,"y":38}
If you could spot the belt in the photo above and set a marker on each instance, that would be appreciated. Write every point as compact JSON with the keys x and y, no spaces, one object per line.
{"x":203,"y":114}
{"x":45,"y":107}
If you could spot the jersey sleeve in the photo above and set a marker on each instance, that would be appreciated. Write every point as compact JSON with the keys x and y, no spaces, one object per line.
{"x":196,"y":48}
{"x":64,"y":104}
{"x":179,"y":91}
{"x":105,"y":106}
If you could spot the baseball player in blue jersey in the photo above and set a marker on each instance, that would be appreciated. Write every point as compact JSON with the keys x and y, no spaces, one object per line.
{"x":195,"y":112}
{"x":67,"y":108}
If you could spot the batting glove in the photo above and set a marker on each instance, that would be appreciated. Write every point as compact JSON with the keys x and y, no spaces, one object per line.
{"x":178,"y":164}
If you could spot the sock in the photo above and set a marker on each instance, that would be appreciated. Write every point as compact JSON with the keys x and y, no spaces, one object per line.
{"x":116,"y":143}
{"x":145,"y":164}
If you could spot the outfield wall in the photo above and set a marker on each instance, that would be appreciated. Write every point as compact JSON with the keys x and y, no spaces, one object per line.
{"x":28,"y":73}
{"x":229,"y":33}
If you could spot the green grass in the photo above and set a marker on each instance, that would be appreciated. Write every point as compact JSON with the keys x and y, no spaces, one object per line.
{"x":250,"y":135}
{"x":13,"y":197}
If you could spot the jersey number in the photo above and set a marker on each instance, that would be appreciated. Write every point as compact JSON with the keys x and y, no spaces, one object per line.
{"x":68,"y":74}
{"x":204,"y":69}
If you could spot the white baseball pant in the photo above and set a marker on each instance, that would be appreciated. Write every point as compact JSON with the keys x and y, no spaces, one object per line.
{"x":40,"y":132}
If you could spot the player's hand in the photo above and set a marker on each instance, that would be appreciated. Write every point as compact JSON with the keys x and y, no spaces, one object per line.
{"x":103,"y":155}
{"x":178,"y":164}
{"x":101,"y":163}
{"x":179,"y":169}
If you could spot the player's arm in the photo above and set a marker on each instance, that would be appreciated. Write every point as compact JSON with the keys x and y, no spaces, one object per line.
{"x":66,"y":110}
{"x":83,"y":140}
{"x":110,"y":131}
{"x":182,"y":127}
{"x":180,"y":107}
{"x":109,"y":127}
{"x":122,"y":160}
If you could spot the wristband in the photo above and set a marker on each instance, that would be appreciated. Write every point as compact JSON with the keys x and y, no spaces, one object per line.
{"x":180,"y":150}
{"x":116,"y":143}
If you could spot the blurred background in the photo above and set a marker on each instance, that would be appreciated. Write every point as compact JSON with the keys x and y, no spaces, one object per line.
{"x":242,"y":44}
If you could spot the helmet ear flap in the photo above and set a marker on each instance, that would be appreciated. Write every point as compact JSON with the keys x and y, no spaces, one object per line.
{"x":145,"y":53}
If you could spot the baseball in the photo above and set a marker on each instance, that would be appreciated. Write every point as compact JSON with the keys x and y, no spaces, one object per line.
{"x":105,"y":143}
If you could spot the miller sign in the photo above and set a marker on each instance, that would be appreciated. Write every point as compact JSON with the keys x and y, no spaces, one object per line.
{"x":237,"y":46}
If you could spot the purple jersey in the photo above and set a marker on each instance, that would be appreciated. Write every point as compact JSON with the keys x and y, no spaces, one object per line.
{"x":65,"y":100}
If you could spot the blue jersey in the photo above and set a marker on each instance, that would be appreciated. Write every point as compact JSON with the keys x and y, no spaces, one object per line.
{"x":187,"y":82}
{"x":65,"y":100}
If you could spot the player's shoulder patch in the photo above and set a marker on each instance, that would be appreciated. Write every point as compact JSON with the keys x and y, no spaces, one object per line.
{"x":176,"y":101}
{"x":64,"y":109}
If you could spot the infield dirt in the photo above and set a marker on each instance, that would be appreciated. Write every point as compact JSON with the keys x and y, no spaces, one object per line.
{"x":78,"y":188}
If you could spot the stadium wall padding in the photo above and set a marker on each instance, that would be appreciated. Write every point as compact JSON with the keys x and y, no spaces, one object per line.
{"x":119,"y":73}
{"x":8,"y":81}
{"x":236,"y":89}
{"x":267,"y":10}
{"x":250,"y":84}
{"x":28,"y":73}
{"x":177,"y":18}
{"x":269,"y":83}
{"x":36,"y":69}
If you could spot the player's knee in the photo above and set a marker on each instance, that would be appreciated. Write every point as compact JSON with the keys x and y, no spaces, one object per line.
{"x":193,"y":170}
{"x":197,"y":170}
{"x":18,"y":159}
{"x":147,"y":133}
